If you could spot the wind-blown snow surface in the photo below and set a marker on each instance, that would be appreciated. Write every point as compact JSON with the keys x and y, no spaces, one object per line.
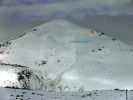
{"x":18,"y":94}
{"x":51,"y":57}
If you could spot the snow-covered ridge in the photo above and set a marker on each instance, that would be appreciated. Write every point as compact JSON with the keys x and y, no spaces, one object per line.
{"x":57,"y":64}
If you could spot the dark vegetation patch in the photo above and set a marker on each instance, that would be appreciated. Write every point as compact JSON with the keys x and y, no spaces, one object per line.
{"x":43,"y":62}
{"x":34,"y":29}
{"x":93,"y":51}
{"x":1,"y":52}
{"x":116,"y":89}
{"x":114,"y":39}
{"x":14,"y":65}
{"x":21,"y":35}
{"x":86,"y":95}
{"x":101,"y":34}
{"x":100,"y":49}
{"x":24,"y":76}
{"x":13,"y":87}
{"x":6,"y":44}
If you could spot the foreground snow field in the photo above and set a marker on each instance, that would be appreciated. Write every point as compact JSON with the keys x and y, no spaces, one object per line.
{"x":61,"y":56}
{"x":18,"y":94}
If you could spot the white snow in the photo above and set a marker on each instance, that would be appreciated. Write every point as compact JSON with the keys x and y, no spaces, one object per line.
{"x":57,"y":64}
{"x":18,"y":94}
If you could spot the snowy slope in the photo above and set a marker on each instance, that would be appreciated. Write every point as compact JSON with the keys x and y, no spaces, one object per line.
{"x":61,"y":56}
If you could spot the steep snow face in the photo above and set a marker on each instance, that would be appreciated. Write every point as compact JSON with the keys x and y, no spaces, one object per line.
{"x":44,"y":49}
{"x":61,"y":56}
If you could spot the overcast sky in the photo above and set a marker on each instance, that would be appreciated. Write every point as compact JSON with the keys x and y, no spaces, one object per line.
{"x":43,"y":9}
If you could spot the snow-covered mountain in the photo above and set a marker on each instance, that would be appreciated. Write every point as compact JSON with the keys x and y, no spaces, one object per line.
{"x":61,"y":56}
